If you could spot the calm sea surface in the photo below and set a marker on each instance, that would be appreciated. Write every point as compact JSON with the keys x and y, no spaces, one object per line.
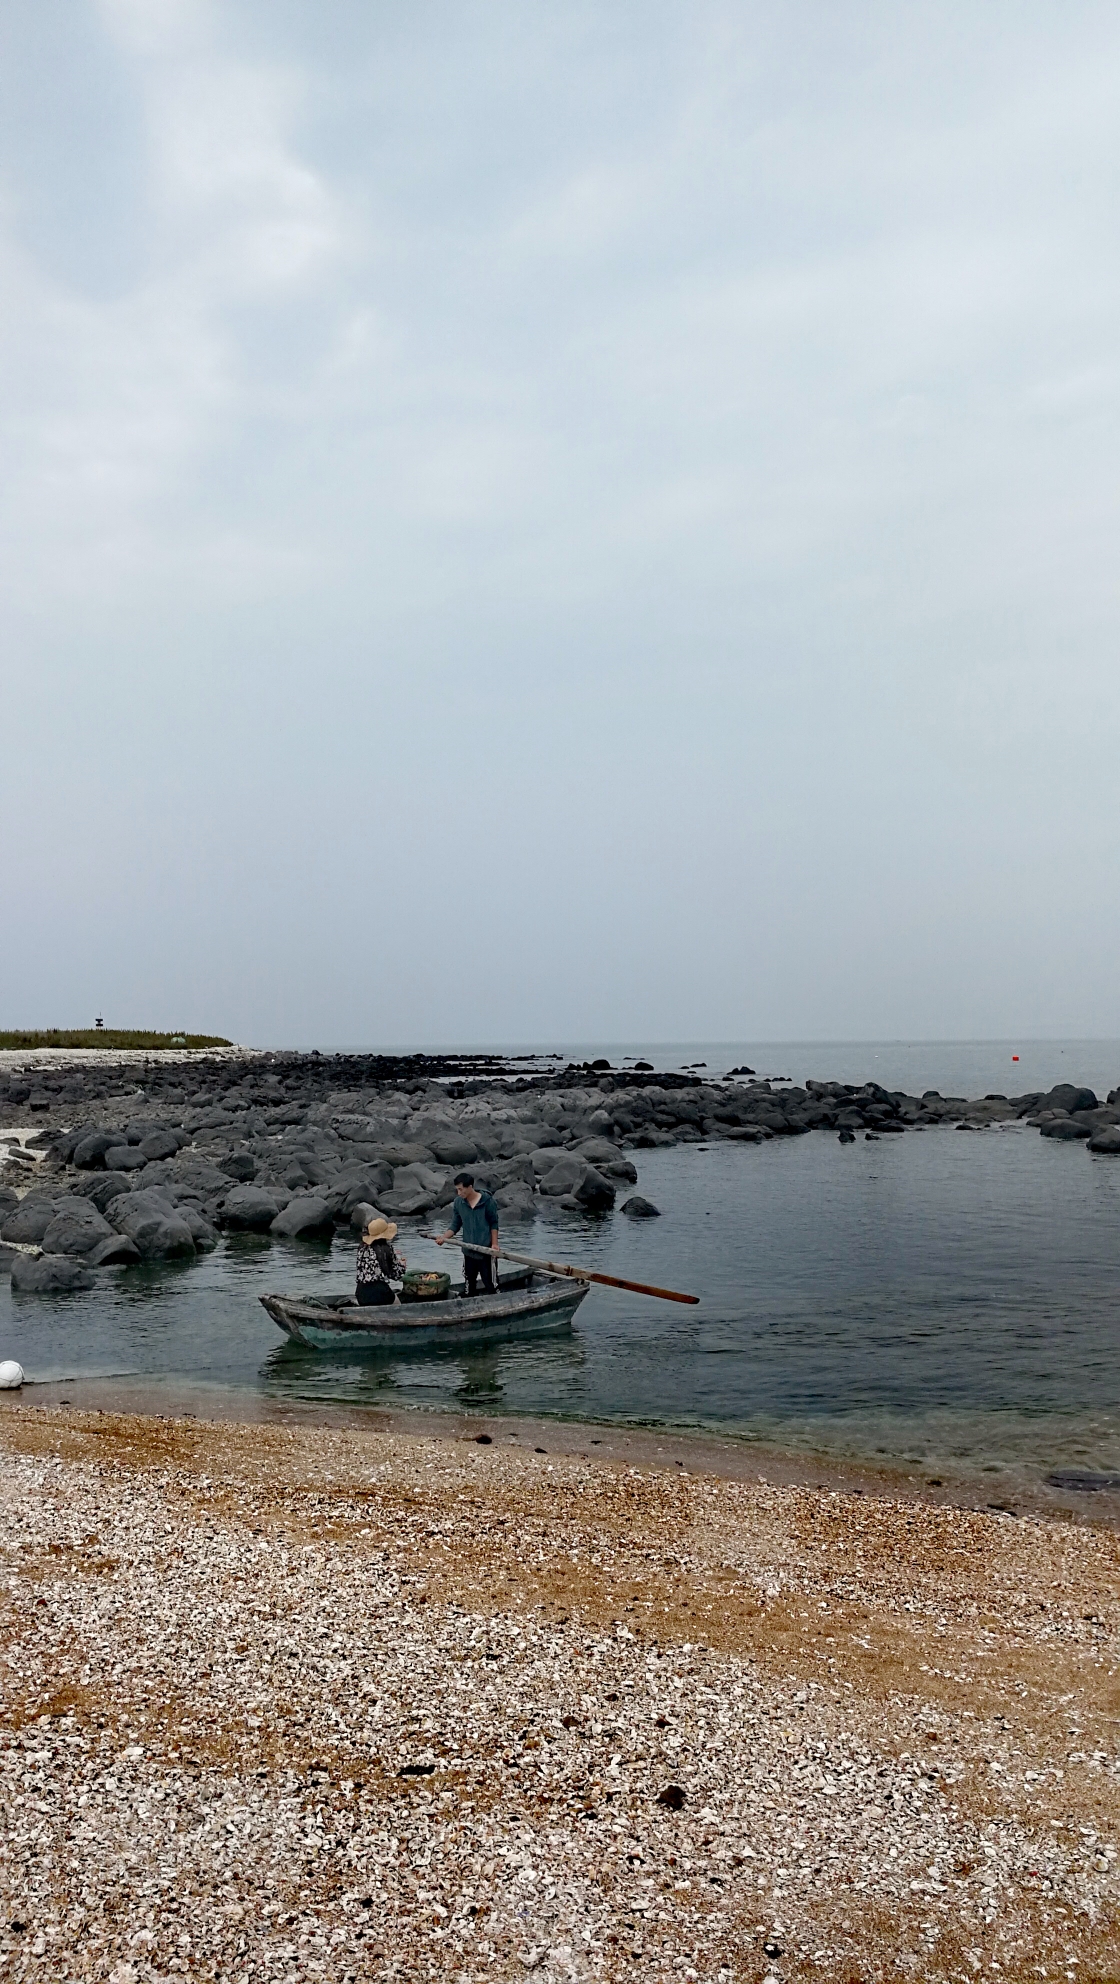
{"x":943,"y":1296}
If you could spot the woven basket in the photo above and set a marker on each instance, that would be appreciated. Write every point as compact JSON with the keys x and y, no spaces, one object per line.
{"x":425,"y":1285}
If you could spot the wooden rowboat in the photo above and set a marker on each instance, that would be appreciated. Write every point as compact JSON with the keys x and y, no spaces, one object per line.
{"x":525,"y":1310}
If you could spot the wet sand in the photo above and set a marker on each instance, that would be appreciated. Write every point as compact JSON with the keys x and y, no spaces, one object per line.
{"x":725,"y":1456}
{"x":281,"y":1700}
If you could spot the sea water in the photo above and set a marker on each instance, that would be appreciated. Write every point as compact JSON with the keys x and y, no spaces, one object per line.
{"x":942,"y":1297}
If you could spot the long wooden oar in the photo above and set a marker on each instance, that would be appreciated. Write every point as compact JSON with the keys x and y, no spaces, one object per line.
{"x":562,"y":1272}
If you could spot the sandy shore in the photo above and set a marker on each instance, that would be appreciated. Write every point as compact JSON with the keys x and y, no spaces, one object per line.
{"x":283,"y":1702}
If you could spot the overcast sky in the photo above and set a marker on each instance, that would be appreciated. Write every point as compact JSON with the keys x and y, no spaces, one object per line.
{"x":531,"y":522}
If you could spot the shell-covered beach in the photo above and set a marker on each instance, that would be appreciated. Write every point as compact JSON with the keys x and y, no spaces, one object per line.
{"x":290,"y":1702}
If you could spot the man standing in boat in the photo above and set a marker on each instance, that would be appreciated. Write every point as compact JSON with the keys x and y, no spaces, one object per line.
{"x":475,"y":1215}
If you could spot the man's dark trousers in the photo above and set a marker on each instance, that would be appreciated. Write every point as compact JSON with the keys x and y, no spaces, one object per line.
{"x":475,"y":1265}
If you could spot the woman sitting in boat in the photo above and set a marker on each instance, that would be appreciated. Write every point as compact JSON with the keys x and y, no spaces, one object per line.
{"x":379,"y":1264}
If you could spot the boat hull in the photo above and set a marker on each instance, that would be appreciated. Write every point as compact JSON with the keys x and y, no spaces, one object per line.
{"x":447,"y":1325}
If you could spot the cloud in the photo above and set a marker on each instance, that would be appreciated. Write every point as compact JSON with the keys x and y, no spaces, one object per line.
{"x":687,"y":435}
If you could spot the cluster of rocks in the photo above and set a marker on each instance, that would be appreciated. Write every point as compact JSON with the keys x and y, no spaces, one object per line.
{"x":301,"y":1146}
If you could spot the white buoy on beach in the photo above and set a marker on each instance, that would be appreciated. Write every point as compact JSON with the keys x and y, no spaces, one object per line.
{"x":11,"y":1375}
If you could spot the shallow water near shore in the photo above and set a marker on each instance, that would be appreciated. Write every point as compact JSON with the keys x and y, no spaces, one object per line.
{"x":936,"y":1299}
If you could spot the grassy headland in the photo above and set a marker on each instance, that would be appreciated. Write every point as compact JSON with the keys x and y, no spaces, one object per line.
{"x":104,"y":1036}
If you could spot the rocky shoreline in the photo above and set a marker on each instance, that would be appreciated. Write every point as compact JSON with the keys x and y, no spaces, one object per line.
{"x":115,"y":1162}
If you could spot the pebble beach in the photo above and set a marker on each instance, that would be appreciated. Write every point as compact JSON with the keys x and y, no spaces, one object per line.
{"x":289,"y":1702}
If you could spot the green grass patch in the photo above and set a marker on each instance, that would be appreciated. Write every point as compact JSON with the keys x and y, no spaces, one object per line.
{"x":106,"y":1036}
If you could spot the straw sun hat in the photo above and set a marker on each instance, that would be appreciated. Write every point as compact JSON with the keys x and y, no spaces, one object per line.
{"x":379,"y":1229}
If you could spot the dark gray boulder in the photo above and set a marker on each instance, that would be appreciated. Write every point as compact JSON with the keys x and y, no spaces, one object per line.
{"x":599,"y":1150}
{"x":305,"y":1169}
{"x":8,"y":1202}
{"x":76,"y":1229}
{"x":410,"y":1200}
{"x":7,"y":1256}
{"x":1066,"y":1096}
{"x":1106,"y":1142}
{"x":116,"y":1250}
{"x":30,"y":1220}
{"x":49,"y":1274}
{"x":124,"y":1157}
{"x":305,"y":1217}
{"x":89,"y":1153}
{"x":102,"y":1187}
{"x":639,"y":1208}
{"x":1066,"y":1129}
{"x":160,"y":1143}
{"x":239,"y":1166}
{"x":399,"y":1155}
{"x":361,"y":1214}
{"x":204,"y":1235}
{"x":594,"y":1192}
{"x":356,"y":1188}
{"x":454,"y":1150}
{"x":516,"y":1201}
{"x":158,"y":1228}
{"x":562,"y":1175}
{"x":190,"y":1172}
{"x":250,"y":1209}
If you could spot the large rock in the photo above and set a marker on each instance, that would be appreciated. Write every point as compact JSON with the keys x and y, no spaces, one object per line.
{"x":89,"y":1152}
{"x":411,"y":1202}
{"x":124,"y":1157}
{"x":49,"y":1274}
{"x":1106,"y":1142}
{"x":399,"y":1155}
{"x":30,"y":1220}
{"x":117,"y":1250}
{"x":8,"y":1202}
{"x":594,"y":1192}
{"x":203,"y":1234}
{"x":516,"y":1201}
{"x":599,"y":1150}
{"x":356,"y":1188}
{"x":620,"y":1167}
{"x":250,"y":1209}
{"x":190,"y":1172}
{"x":1066,"y":1096}
{"x":563,"y":1175}
{"x":304,"y":1218}
{"x":162,"y":1143}
{"x":239,"y":1166}
{"x":456,"y":1151}
{"x":75,"y":1230}
{"x":639,"y":1208}
{"x":361,"y":1214}
{"x":158,"y":1228}
{"x":102,"y":1187}
{"x":1066,"y":1129}
{"x":7,"y":1256}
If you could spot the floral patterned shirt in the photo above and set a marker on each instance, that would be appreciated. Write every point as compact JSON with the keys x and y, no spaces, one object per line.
{"x":373,"y":1268}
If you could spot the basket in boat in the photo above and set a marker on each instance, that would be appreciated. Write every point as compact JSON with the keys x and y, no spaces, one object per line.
{"x":425,"y":1285}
